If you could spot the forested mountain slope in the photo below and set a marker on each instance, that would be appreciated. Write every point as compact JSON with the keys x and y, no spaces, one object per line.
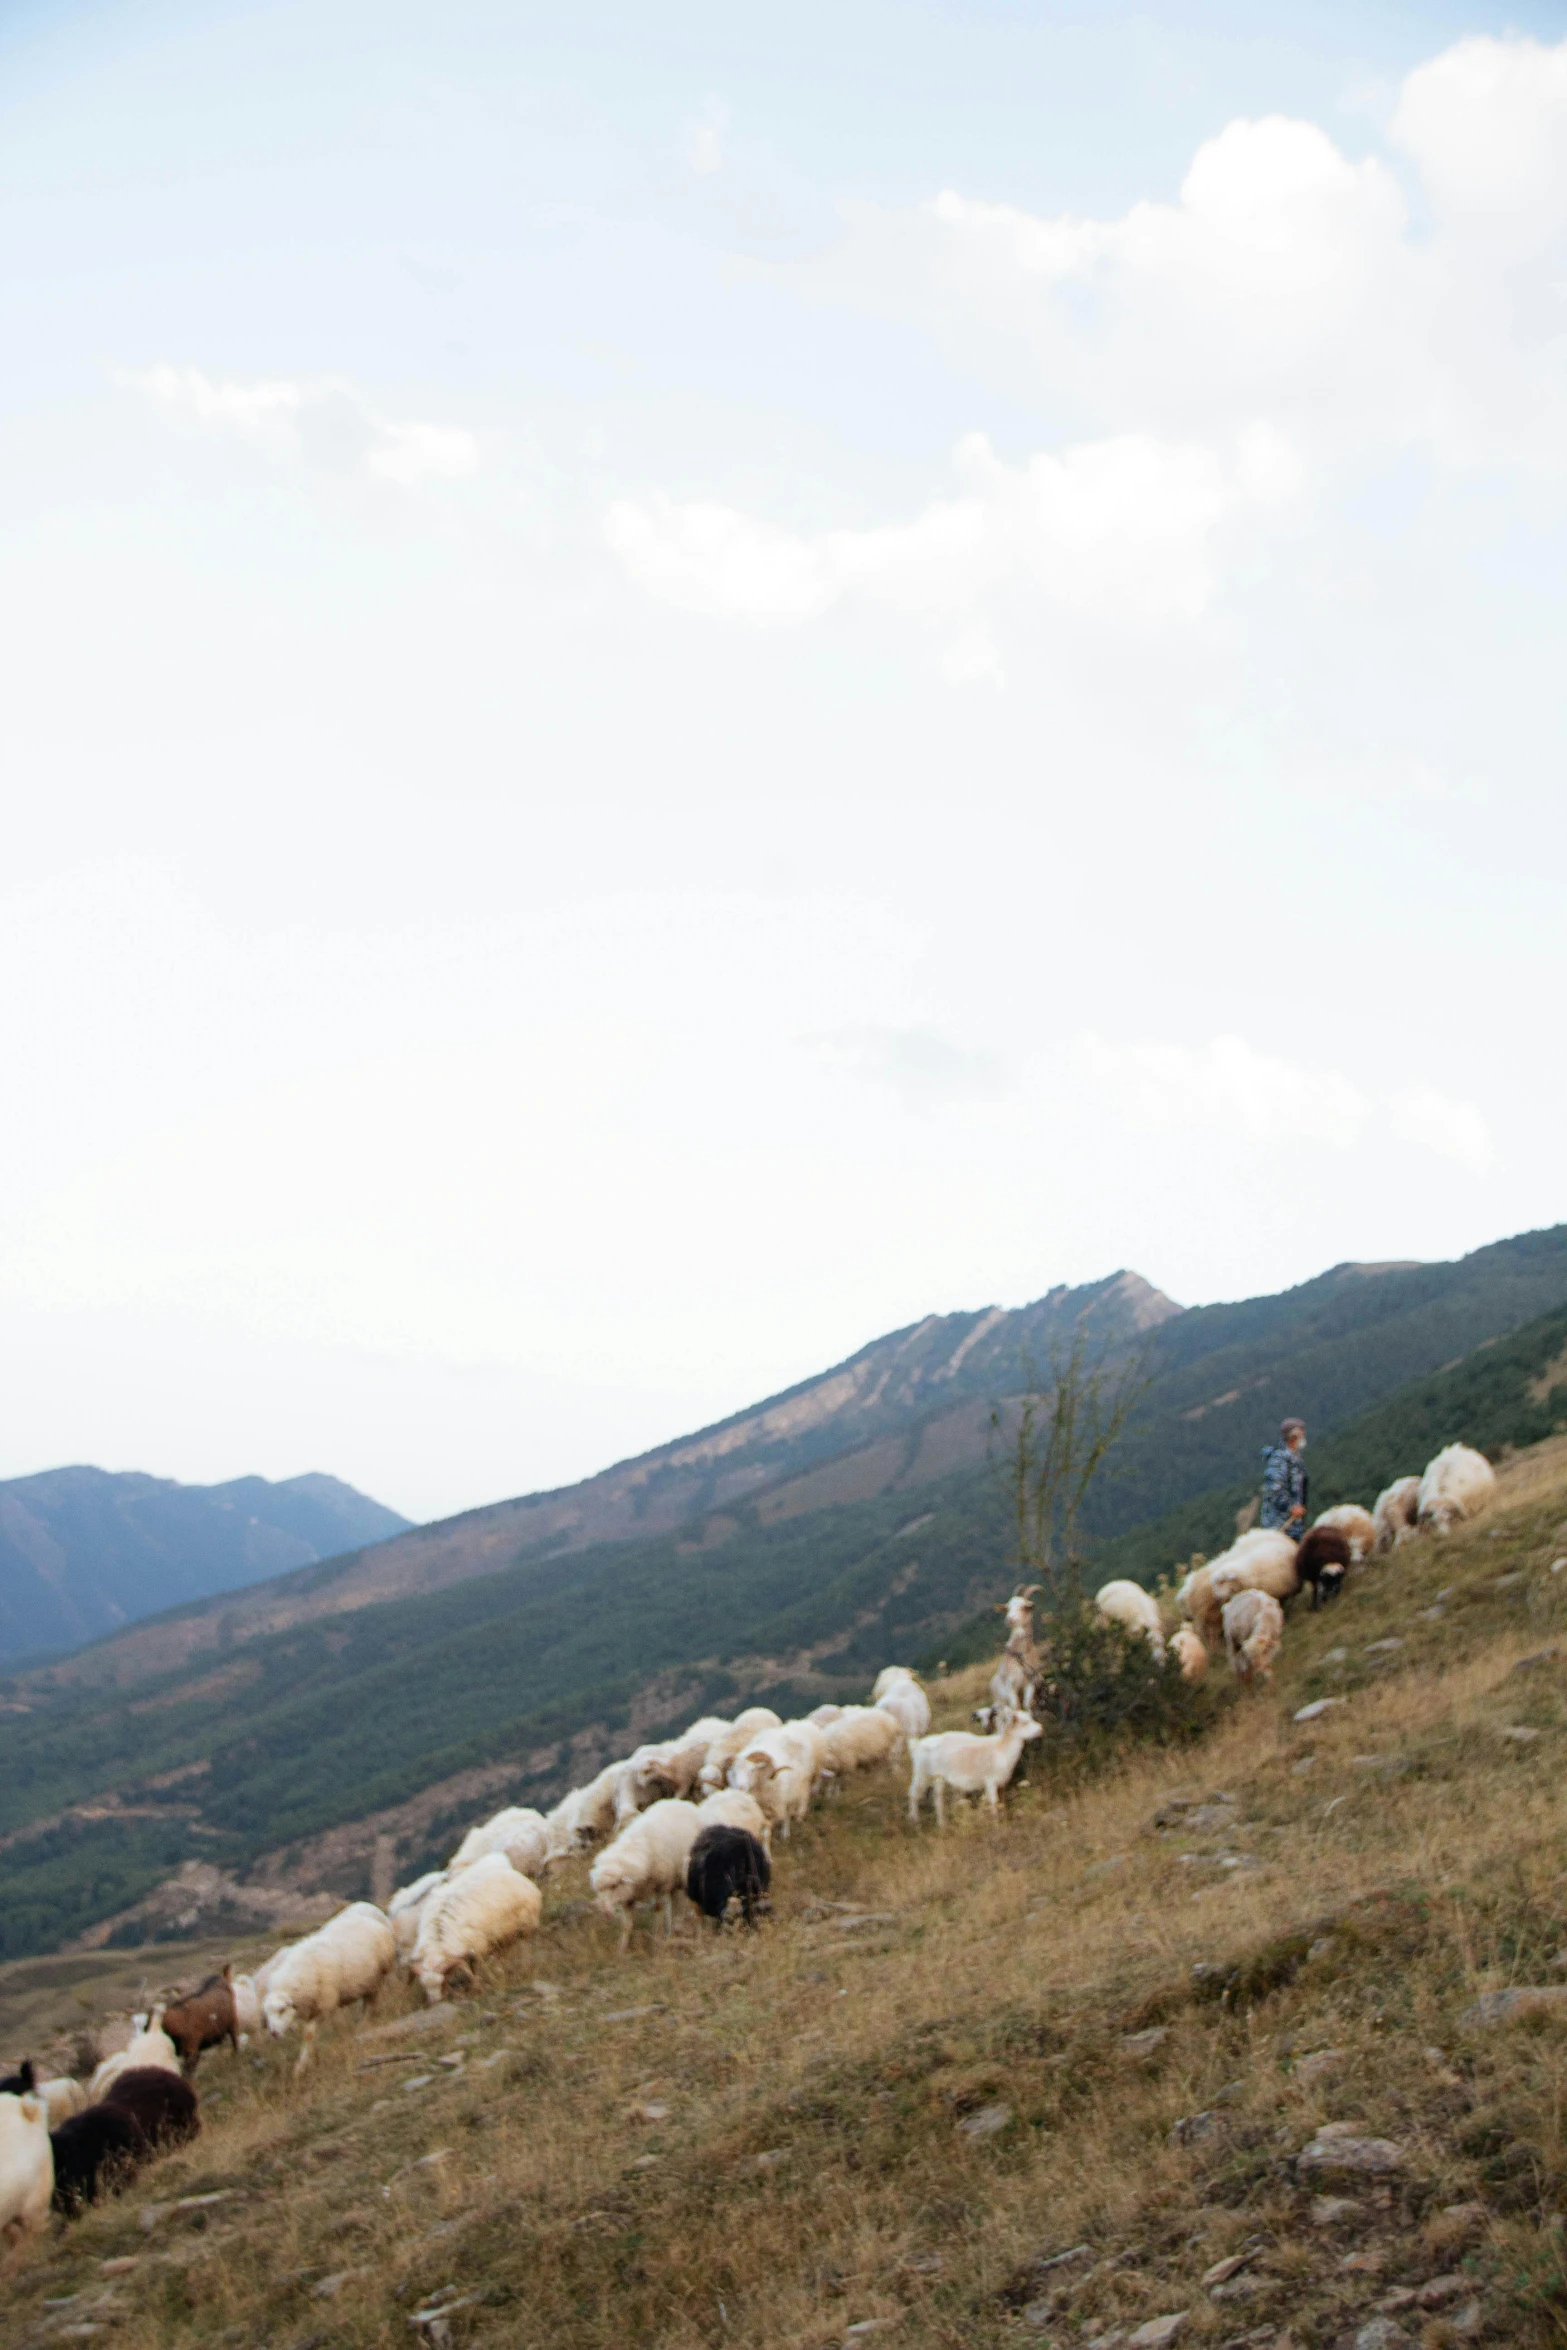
{"x":83,"y":1551}
{"x":297,"y":1749}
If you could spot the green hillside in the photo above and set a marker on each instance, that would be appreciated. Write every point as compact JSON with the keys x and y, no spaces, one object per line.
{"x":253,"y":1748}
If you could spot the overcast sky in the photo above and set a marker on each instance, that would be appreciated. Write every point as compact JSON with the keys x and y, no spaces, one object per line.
{"x":682,"y":682}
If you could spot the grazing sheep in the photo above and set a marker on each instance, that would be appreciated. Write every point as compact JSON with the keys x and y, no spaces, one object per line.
{"x":149,"y":2046}
{"x":1190,"y":1654}
{"x":861,"y":1737}
{"x":968,"y":1765}
{"x":1324,"y":1560}
{"x":727,"y":1864}
{"x":780,"y":1768}
{"x":1198,"y":1600}
{"x":1357,"y":1526}
{"x":733,"y":1742}
{"x":821,"y":1715}
{"x":249,"y":1991}
{"x":523,"y":1835}
{"x":404,"y":1909}
{"x":61,"y":2097}
{"x":587,"y":1813}
{"x":161,"y":2103}
{"x":1395,"y":1514}
{"x":344,"y":1961}
{"x":647,"y":1862}
{"x":1128,"y":1604}
{"x":472,"y":1916}
{"x":1457,"y":1484}
{"x":1253,"y":1634}
{"x":898,"y":1693}
{"x":96,"y":2149}
{"x":730,"y":1809}
{"x":23,"y":2082}
{"x":205,"y":2020}
{"x":26,"y":2165}
{"x":1265,"y":1559}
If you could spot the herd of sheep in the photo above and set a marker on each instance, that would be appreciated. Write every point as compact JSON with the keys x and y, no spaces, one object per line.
{"x":1237,"y":1600}
{"x":695,"y":1815}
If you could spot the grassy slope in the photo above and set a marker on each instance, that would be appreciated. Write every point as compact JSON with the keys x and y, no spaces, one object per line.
{"x":809,"y":2172}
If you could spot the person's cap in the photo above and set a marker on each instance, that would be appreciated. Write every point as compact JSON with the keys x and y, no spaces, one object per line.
{"x":1291,"y":1428}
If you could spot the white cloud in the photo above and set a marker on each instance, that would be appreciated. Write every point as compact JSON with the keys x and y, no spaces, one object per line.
{"x":326,"y":424}
{"x":1118,"y":529}
{"x":1454,"y":1130}
{"x":703,"y":145}
{"x":1226,"y":1086}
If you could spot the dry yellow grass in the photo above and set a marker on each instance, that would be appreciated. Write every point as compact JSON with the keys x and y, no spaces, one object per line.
{"x":769,"y":2149}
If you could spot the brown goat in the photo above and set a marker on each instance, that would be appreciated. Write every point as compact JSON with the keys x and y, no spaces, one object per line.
{"x":205,"y":2020}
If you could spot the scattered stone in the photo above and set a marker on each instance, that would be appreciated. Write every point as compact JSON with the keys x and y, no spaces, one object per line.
{"x":1369,"y":2263}
{"x":1231,"y":2093}
{"x":1240,"y":2289}
{"x":416,"y":2081}
{"x":647,"y":2113}
{"x":768,"y":2160}
{"x":1333,"y":2153}
{"x":1504,"y":2007}
{"x":1333,"y":2211}
{"x":1432,"y":1615}
{"x":1382,"y":1647}
{"x":1466,"y":2215}
{"x":870,"y":2325}
{"x":1524,"y":1736}
{"x":643,"y":2162}
{"x":1506,"y":1582}
{"x":1194,"y":2127}
{"x":118,"y":2267}
{"x":989,"y":2122}
{"x":1323,"y":2060}
{"x":1438,"y":2291}
{"x":624,"y":2015}
{"x":1195,"y":1811}
{"x":425,"y":2019}
{"x":867,"y":1918}
{"x":1159,"y":2332}
{"x":1309,"y":1763}
{"x":1386,"y":1766}
{"x":1465,"y":2322}
{"x":1559,"y":1566}
{"x":1380,"y":2333}
{"x":1335,"y":1656}
{"x":930,"y":2264}
{"x":1039,"y":2313}
{"x":1321,"y":1947}
{"x":1057,"y":2259}
{"x":1318,"y":1707}
{"x":1401,"y":2297}
{"x":1541,"y":1656}
{"x":1135,"y":2046}
{"x":1222,"y":2270}
{"x":331,"y":2286}
{"x":152,"y":2215}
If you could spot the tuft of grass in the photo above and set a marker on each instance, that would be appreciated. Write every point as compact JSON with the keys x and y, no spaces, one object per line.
{"x":1116,"y":2020}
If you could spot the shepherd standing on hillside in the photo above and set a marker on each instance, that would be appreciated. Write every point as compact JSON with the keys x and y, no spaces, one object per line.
{"x":1284,"y":1481}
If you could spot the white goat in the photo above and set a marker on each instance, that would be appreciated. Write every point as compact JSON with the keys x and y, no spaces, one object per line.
{"x":62,"y":2097}
{"x":1395,"y":1514}
{"x":780,"y":1768}
{"x":1357,"y":1526}
{"x":1457,"y":1484}
{"x":967,"y":1764}
{"x":1253,"y":1634}
{"x":471,"y":1916}
{"x":342,"y":1962}
{"x":26,"y":2165}
{"x":647,"y":1862}
{"x":1126,"y":1603}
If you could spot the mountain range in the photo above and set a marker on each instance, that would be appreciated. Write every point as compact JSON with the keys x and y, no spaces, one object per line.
{"x":84,"y":1551}
{"x":318,"y":1727}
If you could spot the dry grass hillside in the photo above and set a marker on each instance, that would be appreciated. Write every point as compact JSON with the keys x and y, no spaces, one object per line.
{"x":1039,"y":2084}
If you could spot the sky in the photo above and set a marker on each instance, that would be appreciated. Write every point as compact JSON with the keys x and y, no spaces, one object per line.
{"x":679,"y":684}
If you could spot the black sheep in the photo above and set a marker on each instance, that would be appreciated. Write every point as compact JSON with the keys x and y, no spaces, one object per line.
{"x":1323,"y":1561}
{"x":94,"y":2150}
{"x":161,"y":2103}
{"x":20,"y":2084}
{"x":728,"y":1862}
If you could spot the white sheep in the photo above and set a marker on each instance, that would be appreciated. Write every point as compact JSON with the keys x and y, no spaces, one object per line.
{"x":343,"y":1961}
{"x":1357,"y":1526}
{"x":1128,"y":1604}
{"x":734,"y":1741}
{"x":861,"y":1737}
{"x":967,"y":1764}
{"x":670,"y":1767}
{"x":1395,"y":1514}
{"x":730,"y":1809}
{"x":898,"y":1693}
{"x":471,"y":1916}
{"x":647,"y":1862}
{"x":406,"y":1907}
{"x":523,"y":1835}
{"x":587,"y":1813}
{"x":1457,"y":1484}
{"x":150,"y":2046}
{"x":780,"y":1768}
{"x":26,"y":2165}
{"x":1190,"y":1654}
{"x":821,"y":1715}
{"x":1253,"y":1633}
{"x":248,"y":1994}
{"x":63,"y":2096}
{"x":1263,"y":1560}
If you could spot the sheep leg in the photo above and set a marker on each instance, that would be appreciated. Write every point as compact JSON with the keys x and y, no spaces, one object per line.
{"x":625,"y":1929}
{"x":308,"y":2049}
{"x":669,"y":1916}
{"x":938,"y":1790}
